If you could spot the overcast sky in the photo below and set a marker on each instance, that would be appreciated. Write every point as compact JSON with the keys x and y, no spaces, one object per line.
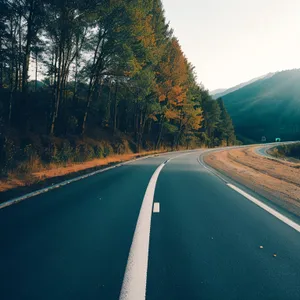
{"x":232,"y":41}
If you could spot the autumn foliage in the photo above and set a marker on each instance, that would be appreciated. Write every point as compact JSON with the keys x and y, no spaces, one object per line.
{"x":70,"y":68}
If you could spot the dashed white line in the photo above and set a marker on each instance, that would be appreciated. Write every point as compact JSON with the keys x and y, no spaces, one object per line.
{"x":156,"y":207}
{"x":266,"y":208}
{"x":135,"y":279}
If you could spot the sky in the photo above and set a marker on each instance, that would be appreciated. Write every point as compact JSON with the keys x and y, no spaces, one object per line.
{"x":233,"y":41}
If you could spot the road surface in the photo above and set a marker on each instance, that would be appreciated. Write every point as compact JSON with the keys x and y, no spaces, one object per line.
{"x":207,"y":240}
{"x":263,"y":151}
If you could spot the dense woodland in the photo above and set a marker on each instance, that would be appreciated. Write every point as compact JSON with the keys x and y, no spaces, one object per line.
{"x":75,"y":73}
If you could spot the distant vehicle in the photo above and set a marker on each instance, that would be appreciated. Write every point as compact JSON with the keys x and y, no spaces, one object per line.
{"x":277,"y":140}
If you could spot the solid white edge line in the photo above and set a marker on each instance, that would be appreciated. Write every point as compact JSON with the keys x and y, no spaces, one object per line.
{"x":135,"y":278}
{"x":63,"y":183}
{"x":156,"y":207}
{"x":266,"y":208}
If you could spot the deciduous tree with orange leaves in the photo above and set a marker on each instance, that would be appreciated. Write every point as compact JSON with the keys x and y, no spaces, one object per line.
{"x":111,"y":66}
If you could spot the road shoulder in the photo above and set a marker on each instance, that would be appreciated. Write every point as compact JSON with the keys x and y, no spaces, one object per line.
{"x":276,"y":181}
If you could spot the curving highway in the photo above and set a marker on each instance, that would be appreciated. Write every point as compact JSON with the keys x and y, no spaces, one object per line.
{"x":163,"y":227}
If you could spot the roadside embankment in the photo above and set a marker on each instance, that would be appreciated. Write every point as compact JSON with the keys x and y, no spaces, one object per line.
{"x":14,"y":186}
{"x":278,"y":181}
{"x":290,"y":152}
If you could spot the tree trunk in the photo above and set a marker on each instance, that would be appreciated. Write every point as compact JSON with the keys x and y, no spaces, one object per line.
{"x":11,"y":75}
{"x":10,"y":107}
{"x":75,"y":79}
{"x":89,"y":100}
{"x":36,"y":70}
{"x":108,"y":112}
{"x":20,"y":53}
{"x":55,"y":69}
{"x":150,"y":126}
{"x":143,"y":121}
{"x":178,"y":136}
{"x":16,"y":83}
{"x":27,"y":51}
{"x":115,"y":109}
{"x":1,"y":66}
{"x":88,"y":104}
{"x":136,"y":122}
{"x":140,"y":133}
{"x":93,"y":80}
{"x":161,"y":127}
{"x":57,"y":94}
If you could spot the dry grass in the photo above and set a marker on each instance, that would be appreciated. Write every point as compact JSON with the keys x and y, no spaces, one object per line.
{"x":41,"y":172}
{"x":277,"y":181}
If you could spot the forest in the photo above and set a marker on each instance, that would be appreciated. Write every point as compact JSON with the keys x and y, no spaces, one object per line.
{"x":85,"y":79}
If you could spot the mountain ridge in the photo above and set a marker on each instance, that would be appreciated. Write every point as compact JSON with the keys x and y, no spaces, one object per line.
{"x":267,"y":107}
{"x":224,"y":92}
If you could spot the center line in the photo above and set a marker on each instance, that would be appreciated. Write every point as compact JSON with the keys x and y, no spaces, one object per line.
{"x":135,"y":279}
{"x":156,"y":207}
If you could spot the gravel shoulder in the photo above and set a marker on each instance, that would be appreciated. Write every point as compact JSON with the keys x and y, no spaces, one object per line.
{"x":278,"y":181}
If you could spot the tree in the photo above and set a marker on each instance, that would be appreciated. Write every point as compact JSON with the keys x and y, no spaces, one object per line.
{"x":109,"y":68}
{"x":225,"y":127}
{"x":33,"y":14}
{"x":212,"y":114}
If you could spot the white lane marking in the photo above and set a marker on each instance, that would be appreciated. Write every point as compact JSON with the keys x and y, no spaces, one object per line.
{"x":52,"y":187}
{"x":63,"y":183}
{"x":201,"y":162}
{"x":267,"y":208}
{"x":135,"y":279}
{"x":156,"y":207}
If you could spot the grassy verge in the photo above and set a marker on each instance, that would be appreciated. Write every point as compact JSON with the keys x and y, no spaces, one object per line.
{"x":15,"y":184}
{"x":276,"y":181}
{"x":290,"y":151}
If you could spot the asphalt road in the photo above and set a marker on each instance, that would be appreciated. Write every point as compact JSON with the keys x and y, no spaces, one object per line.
{"x":263,"y":151}
{"x":207,"y":241}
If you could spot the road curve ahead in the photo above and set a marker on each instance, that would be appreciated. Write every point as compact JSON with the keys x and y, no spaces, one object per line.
{"x":264,"y":148}
{"x":206,"y":240}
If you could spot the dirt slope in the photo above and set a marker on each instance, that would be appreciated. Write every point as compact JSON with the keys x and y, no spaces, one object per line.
{"x":277,"y":181}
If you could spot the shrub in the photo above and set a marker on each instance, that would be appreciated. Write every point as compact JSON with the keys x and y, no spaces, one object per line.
{"x":84,"y":152}
{"x":10,"y":153}
{"x":106,"y":151}
{"x":66,"y":153}
{"x":50,"y":153}
{"x":98,"y":151}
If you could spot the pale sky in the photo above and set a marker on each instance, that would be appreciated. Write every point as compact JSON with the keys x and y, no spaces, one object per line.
{"x":232,"y":41}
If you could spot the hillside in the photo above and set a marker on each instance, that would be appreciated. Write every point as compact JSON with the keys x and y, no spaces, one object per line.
{"x":268,"y":107}
{"x":127,"y":91}
{"x":222,"y":92}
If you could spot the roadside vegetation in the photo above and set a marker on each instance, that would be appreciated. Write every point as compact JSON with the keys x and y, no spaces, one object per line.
{"x":84,"y":80}
{"x":286,"y":151}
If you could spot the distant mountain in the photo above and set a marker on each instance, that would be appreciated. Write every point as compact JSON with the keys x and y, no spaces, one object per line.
{"x":218,"y":91}
{"x":239,"y":86}
{"x":268,"y":107}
